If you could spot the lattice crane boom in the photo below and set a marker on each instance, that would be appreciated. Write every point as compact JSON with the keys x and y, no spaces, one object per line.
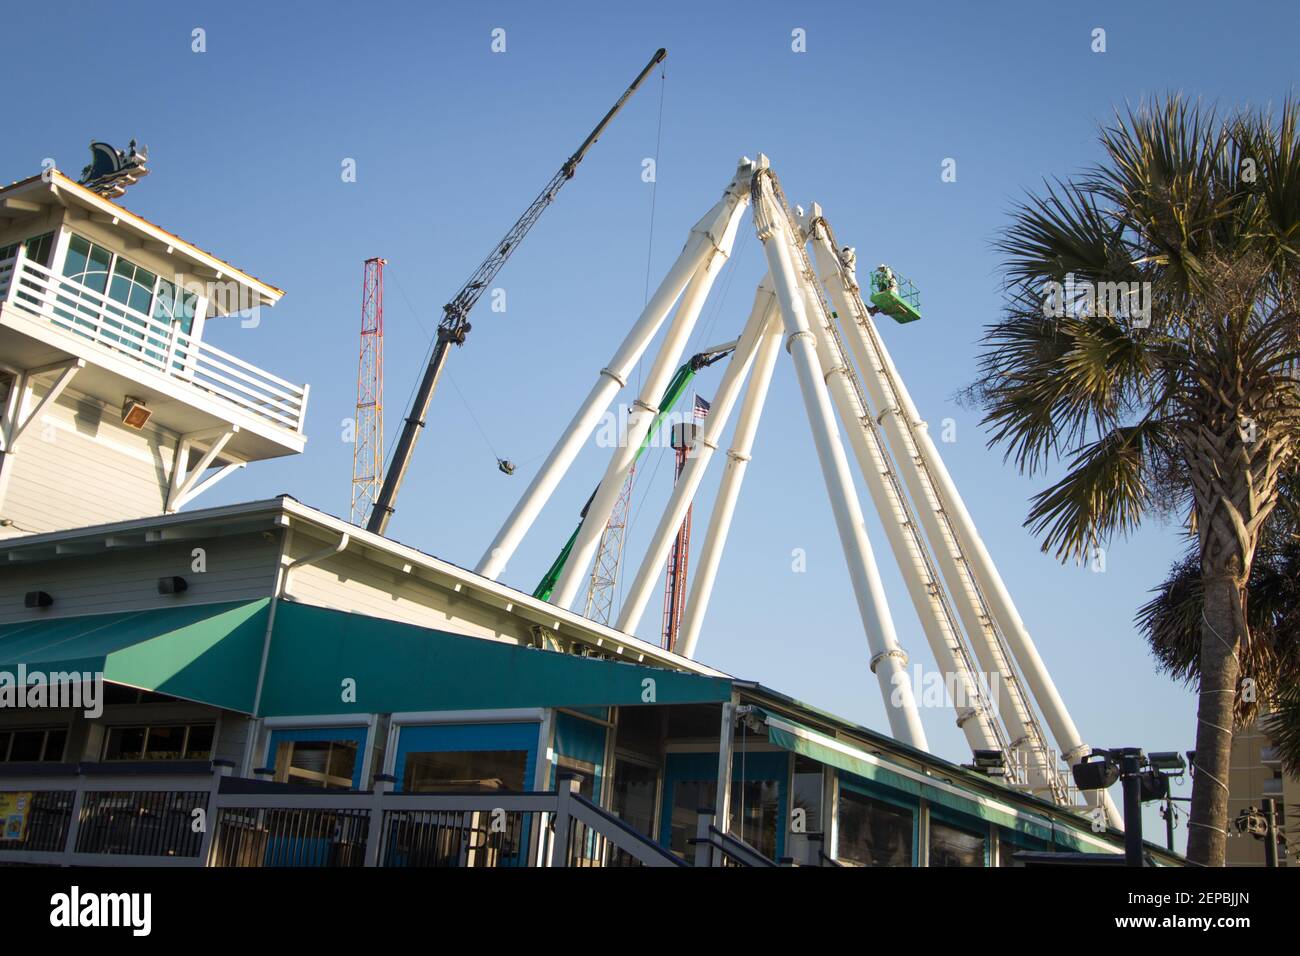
{"x":455,"y":326}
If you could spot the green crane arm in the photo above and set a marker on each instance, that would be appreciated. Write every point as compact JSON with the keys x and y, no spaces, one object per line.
{"x":681,"y":379}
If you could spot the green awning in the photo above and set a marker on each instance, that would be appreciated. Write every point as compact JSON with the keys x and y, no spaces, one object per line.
{"x":836,"y":753}
{"x":203,"y":652}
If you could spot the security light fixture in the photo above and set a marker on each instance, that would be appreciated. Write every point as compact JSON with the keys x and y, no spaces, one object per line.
{"x":1168,"y":761}
{"x":37,"y":599}
{"x":1097,"y":771}
{"x":134,"y":413}
{"x":173,"y":584}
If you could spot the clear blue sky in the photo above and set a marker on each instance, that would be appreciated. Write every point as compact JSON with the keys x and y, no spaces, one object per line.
{"x":451,"y":141}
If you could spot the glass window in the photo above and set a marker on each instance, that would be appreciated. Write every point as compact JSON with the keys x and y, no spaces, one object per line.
{"x":132,"y":286}
{"x":87,"y":263}
{"x":635,"y":785}
{"x":125,"y":743}
{"x":198,"y":743}
{"x":872,"y":832}
{"x":754,"y":811}
{"x":33,"y":745}
{"x":468,"y":770}
{"x":324,"y":763}
{"x":55,"y":742}
{"x":175,"y":305}
{"x":38,"y":248}
{"x":164,"y":742}
{"x":953,"y":846}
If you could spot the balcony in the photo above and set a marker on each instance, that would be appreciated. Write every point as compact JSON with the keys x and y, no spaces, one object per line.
{"x":190,"y":384}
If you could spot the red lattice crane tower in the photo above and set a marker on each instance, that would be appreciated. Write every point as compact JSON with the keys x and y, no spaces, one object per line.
{"x":683,"y":437}
{"x":368,"y":448}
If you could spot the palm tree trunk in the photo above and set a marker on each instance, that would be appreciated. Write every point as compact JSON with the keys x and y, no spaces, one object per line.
{"x":1221,"y":634}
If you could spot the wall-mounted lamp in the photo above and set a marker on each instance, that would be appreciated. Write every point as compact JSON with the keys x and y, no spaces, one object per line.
{"x":134,"y":413}
{"x":172,"y":584}
{"x":37,"y":599}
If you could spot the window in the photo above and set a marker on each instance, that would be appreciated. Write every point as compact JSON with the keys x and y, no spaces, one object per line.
{"x":164,"y":742}
{"x":132,"y":286}
{"x":42,"y":745}
{"x":635,"y":785}
{"x":872,"y":832}
{"x":323,"y":763}
{"x":953,"y":846}
{"x":37,"y":249}
{"x":87,"y":264}
{"x":754,"y":811}
{"x":466,"y":770}
{"x":175,"y":305}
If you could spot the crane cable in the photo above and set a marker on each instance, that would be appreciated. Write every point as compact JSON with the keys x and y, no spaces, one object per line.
{"x":474,"y":418}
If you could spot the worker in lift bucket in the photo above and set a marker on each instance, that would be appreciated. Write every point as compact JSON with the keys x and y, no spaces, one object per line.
{"x":887,"y":282}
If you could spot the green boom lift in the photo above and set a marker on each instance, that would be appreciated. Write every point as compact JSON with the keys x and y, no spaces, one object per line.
{"x":894,"y":295}
{"x":681,"y":379}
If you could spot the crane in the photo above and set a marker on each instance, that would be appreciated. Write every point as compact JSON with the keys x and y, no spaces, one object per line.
{"x":455,"y":326}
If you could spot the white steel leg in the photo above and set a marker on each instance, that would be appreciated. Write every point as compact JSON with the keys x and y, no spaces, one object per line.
{"x":697,"y":462}
{"x":643,"y":414}
{"x":724,"y":506}
{"x":700,"y":246}
{"x":888,"y":660}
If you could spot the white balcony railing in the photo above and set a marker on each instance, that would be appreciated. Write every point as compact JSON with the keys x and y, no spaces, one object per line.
{"x":80,"y":311}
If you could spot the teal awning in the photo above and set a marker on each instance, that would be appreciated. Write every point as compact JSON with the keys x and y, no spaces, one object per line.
{"x":203,"y":652}
{"x":836,"y":753}
{"x":319,"y":655}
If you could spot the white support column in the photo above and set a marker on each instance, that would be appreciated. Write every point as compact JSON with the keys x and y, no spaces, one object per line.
{"x":697,"y":460}
{"x":700,"y":246}
{"x":733,"y":476}
{"x":888,"y":659}
{"x":964,"y":560}
{"x":643,"y":413}
{"x":973,"y":716}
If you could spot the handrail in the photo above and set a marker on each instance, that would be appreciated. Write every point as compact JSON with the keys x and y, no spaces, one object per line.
{"x":77,"y":309}
{"x":624,"y":836}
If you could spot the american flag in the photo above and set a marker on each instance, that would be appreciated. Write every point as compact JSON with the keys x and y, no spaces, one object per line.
{"x":701,"y":408}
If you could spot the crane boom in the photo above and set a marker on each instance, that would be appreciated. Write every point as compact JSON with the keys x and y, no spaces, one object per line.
{"x":455,"y":326}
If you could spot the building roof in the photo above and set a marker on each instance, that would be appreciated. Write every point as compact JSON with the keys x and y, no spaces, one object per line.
{"x":65,"y":191}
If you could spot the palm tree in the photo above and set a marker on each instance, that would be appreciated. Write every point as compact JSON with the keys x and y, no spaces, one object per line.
{"x":1151,"y":339}
{"x":1171,"y":620}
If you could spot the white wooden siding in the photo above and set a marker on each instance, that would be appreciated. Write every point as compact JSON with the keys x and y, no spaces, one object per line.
{"x":239,"y":568}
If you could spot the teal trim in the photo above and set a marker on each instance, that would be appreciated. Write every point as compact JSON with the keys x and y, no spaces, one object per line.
{"x":442,"y":738}
{"x":208,"y":653}
{"x":749,"y":767}
{"x":401,"y":667}
{"x":825,"y":750}
{"x":286,"y":734}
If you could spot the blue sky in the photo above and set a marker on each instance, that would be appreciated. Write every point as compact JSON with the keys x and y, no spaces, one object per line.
{"x":451,"y":141}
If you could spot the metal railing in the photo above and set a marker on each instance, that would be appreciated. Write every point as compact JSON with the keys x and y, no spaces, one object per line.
{"x":78,"y":310}
{"x":194,"y":814}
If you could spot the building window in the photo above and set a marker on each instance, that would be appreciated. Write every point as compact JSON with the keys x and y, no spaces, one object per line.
{"x":635,"y":787}
{"x":36,"y":248}
{"x":87,"y":264}
{"x":162,"y":742}
{"x":953,"y":846}
{"x":872,"y":832}
{"x":465,"y":771}
{"x":755,"y":808}
{"x":45,"y":745}
{"x":321,"y":763}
